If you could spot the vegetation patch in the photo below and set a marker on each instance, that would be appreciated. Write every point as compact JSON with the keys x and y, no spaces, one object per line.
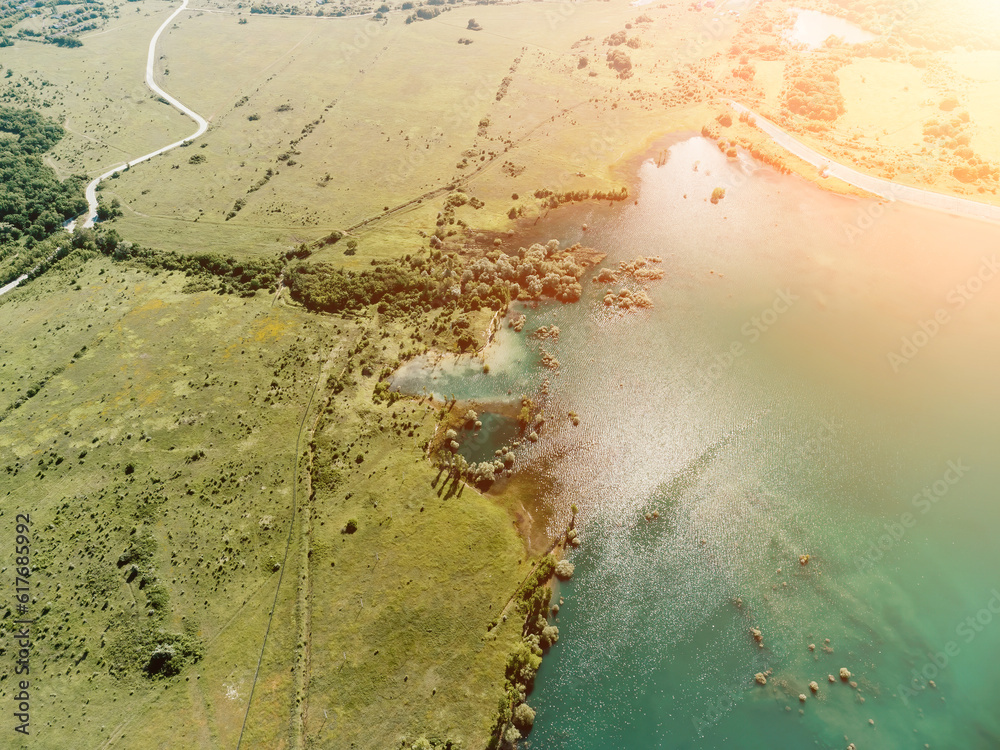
{"x":33,"y":201}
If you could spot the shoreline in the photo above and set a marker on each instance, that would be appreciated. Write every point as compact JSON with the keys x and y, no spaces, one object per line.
{"x":880,"y":188}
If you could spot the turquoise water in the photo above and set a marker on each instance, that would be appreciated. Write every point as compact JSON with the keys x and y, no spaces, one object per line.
{"x":760,"y":436}
{"x":514,"y":371}
{"x":757,"y":408}
{"x":479,"y":445}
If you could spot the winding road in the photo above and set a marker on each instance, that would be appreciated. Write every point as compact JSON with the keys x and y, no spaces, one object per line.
{"x":91,"y":192}
{"x":887,"y":189}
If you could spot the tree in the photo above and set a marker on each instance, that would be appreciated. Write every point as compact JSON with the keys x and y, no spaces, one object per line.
{"x":524,"y":718}
{"x":564,"y":570}
{"x":474,"y":25}
{"x":511,"y":736}
{"x":161,"y":661}
{"x":106,"y":212}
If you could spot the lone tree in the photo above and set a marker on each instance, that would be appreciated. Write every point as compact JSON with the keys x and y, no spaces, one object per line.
{"x":474,"y":25}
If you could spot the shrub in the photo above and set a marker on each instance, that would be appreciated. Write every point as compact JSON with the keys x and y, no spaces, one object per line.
{"x":524,"y":718}
{"x":108,"y":211}
{"x":620,"y":61}
{"x":351,"y":526}
{"x":564,"y":570}
{"x":548,"y":636}
{"x":949,"y":103}
{"x":510,"y":737}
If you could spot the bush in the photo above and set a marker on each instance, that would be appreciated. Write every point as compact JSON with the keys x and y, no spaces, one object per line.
{"x":564,"y":570}
{"x":524,"y":718}
{"x":620,"y":61}
{"x":108,"y":211}
{"x":548,"y":636}
{"x":351,"y":526}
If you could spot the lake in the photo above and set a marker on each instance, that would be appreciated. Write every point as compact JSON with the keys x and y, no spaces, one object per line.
{"x":812,"y":28}
{"x":798,"y":388}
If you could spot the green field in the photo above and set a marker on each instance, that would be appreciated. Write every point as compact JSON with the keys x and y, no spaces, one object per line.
{"x":235,"y":532}
{"x":151,"y":416}
{"x":352,"y":116}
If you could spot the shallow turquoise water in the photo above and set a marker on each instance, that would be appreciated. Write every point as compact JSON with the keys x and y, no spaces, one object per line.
{"x":760,"y":436}
{"x":805,"y":441}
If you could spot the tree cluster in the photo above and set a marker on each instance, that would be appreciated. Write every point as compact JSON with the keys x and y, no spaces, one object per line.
{"x":33,"y":200}
{"x":815,"y":92}
{"x":243,"y":276}
{"x":532,"y":273}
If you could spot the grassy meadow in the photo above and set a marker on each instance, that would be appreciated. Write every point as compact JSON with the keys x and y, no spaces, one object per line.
{"x":228,"y":513}
{"x":155,"y":448}
{"x":351,"y":116}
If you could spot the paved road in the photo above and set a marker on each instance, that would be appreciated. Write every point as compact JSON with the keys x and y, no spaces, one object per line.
{"x":885,"y":188}
{"x":91,"y":192}
{"x":13,"y":284}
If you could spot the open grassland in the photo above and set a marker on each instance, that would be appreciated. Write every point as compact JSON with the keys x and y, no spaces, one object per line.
{"x":401,"y":609}
{"x":161,"y":443}
{"x":183,"y":452}
{"x":153,"y":435}
{"x":351,"y":116}
{"x":96,"y":91}
{"x":361,"y":124}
